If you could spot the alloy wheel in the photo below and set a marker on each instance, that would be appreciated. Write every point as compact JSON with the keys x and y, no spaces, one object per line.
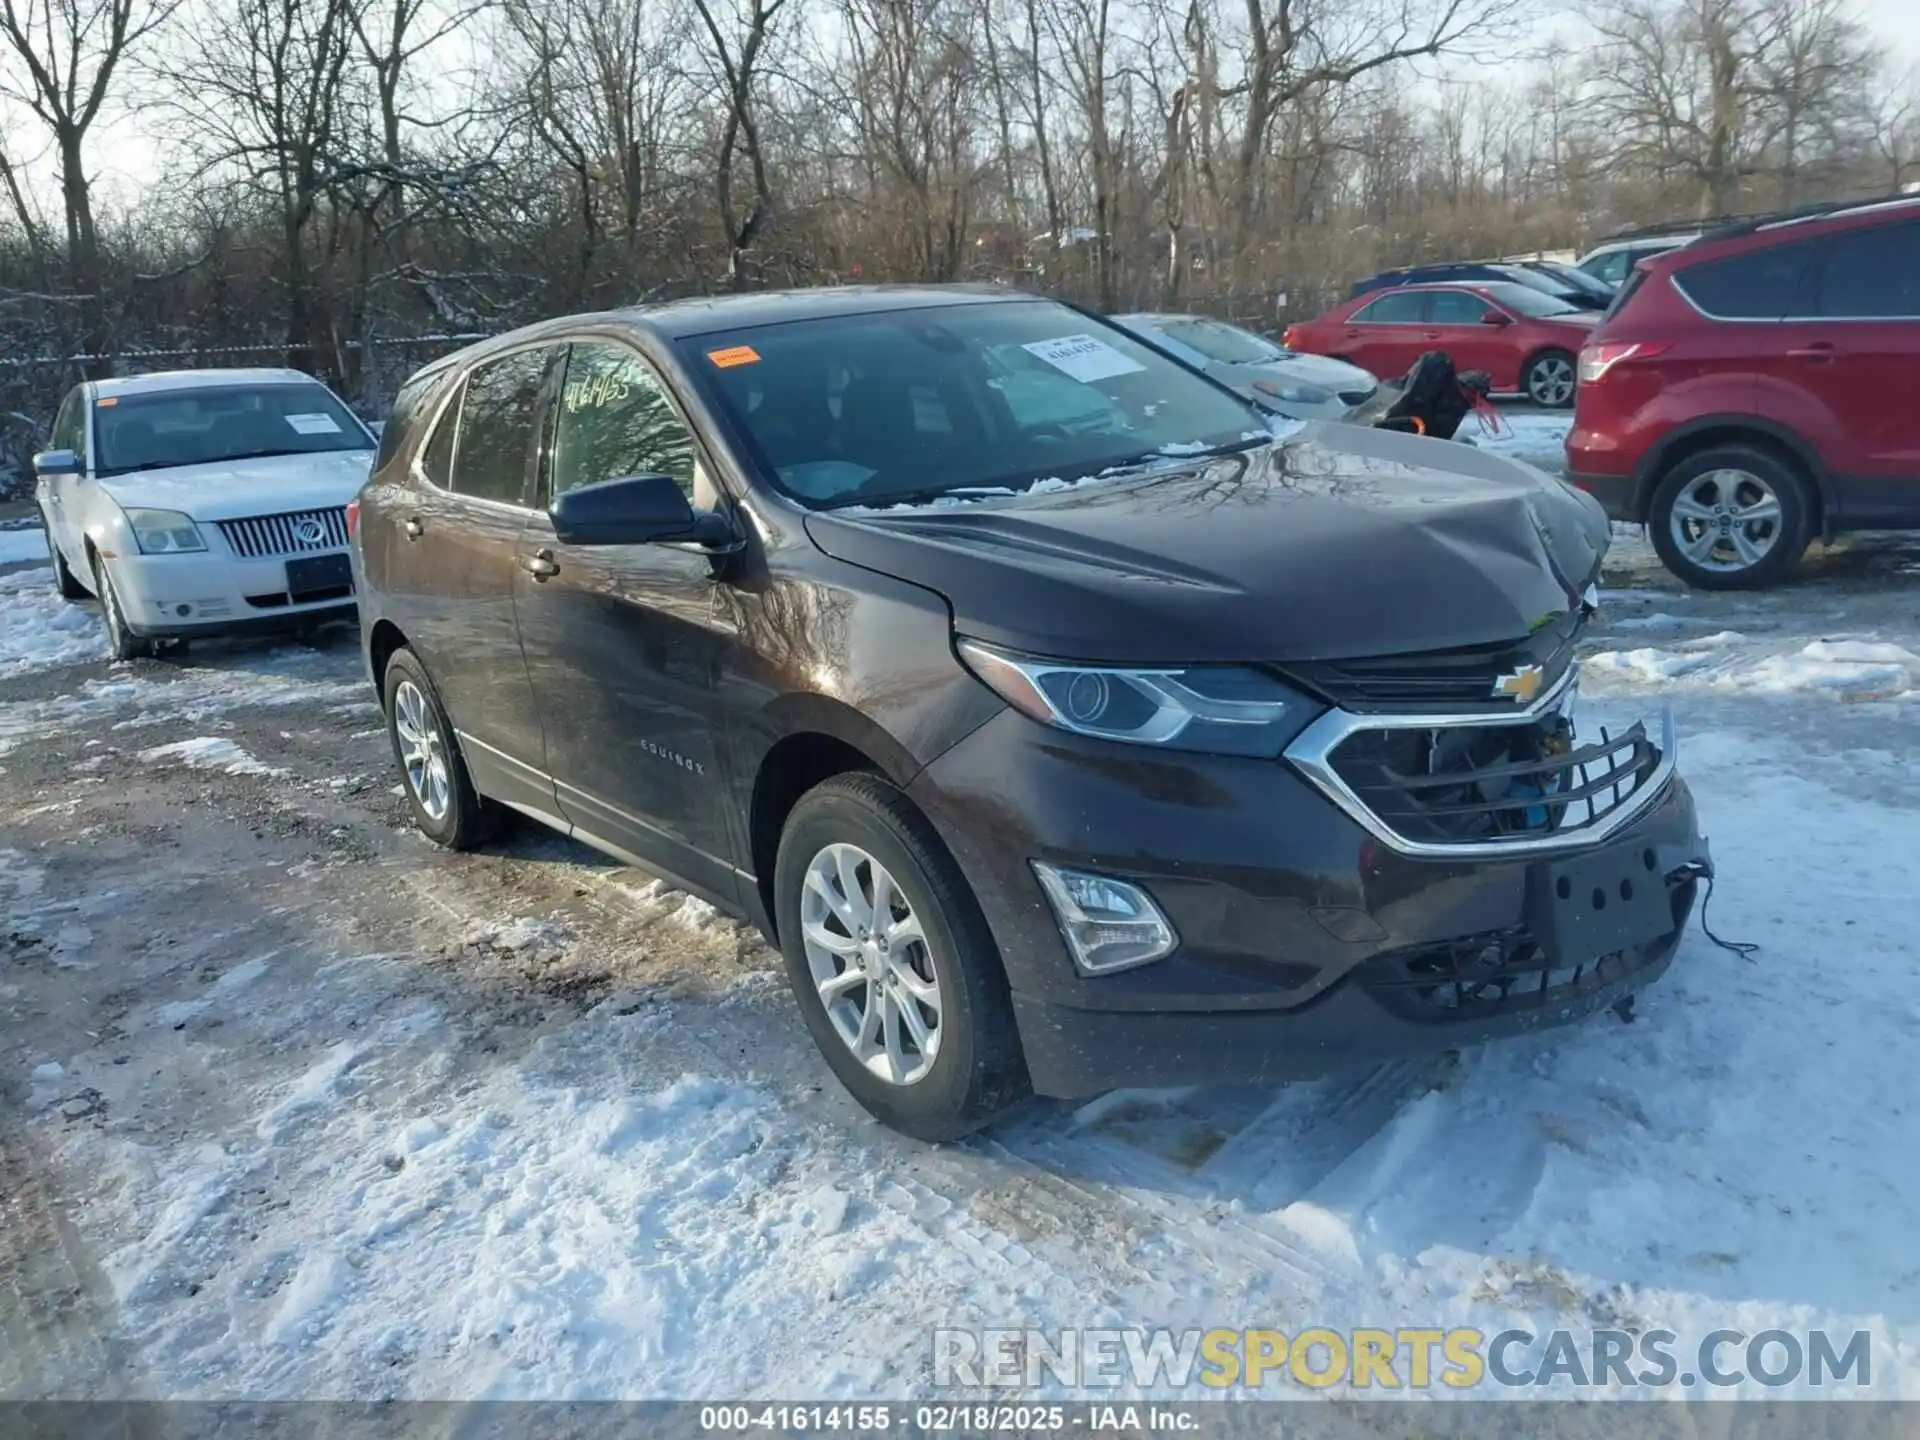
{"x":1726,"y":520}
{"x":871,"y":963}
{"x":1550,"y":381}
{"x":423,"y":754}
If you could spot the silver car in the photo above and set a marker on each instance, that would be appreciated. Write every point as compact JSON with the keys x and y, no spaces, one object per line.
{"x":1301,"y":387}
{"x":204,"y":502}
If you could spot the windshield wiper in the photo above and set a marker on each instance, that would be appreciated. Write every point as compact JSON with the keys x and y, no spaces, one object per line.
{"x":1126,"y":465}
{"x":1132,"y":463}
{"x":109,"y":473}
{"x":920,"y":497}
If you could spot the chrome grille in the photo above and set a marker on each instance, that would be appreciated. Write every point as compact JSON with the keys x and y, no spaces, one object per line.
{"x":298,"y":532}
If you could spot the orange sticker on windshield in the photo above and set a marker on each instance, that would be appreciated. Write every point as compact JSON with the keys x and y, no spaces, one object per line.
{"x":734,"y":355}
{"x":106,"y":402}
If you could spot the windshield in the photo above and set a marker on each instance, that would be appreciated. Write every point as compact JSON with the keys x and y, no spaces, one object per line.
{"x":204,"y":424}
{"x":910,"y":406}
{"x":1525,"y":300}
{"x":1225,"y":343}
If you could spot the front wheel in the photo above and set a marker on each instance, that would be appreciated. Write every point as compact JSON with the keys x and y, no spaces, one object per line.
{"x":1731,"y":518}
{"x":1549,"y":379}
{"x":122,"y":642}
{"x":892,"y":964}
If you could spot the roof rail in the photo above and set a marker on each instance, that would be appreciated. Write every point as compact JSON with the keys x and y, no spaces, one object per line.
{"x":1720,"y":227}
{"x":1828,"y":210}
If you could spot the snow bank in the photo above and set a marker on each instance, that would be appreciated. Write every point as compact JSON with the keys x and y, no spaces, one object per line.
{"x":41,"y":630}
{"x":1537,"y":439}
{"x":19,"y":545}
{"x":1728,"y":660}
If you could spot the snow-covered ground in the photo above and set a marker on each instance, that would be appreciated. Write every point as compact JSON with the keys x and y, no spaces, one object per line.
{"x":323,"y":1112}
{"x":1538,"y":437}
{"x":41,"y":629}
{"x":26,"y":543}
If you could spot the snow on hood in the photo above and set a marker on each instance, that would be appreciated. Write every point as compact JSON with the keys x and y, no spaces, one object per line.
{"x":228,"y":489}
{"x":1345,"y":541}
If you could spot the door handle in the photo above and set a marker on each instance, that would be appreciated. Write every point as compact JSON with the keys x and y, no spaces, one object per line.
{"x":1430,"y":335}
{"x":1820,"y":352}
{"x":413,"y":527}
{"x":540,"y":565}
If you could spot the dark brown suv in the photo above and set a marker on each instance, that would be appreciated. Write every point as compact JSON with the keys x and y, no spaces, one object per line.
{"x":1062,"y":728}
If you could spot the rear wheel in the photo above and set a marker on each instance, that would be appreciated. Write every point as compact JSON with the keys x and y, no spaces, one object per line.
{"x":1549,"y":379}
{"x":64,"y":580}
{"x":122,"y":643}
{"x":1731,"y":518}
{"x":892,"y":964}
{"x":446,"y":807}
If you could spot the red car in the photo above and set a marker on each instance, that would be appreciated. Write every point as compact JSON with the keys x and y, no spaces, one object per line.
{"x":1758,"y":388}
{"x":1527,"y":340}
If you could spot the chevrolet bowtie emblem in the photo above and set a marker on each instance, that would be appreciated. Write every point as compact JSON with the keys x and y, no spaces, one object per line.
{"x":1520,"y":685}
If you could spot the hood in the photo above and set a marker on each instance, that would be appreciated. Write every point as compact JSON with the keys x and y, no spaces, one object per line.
{"x":1339,"y":543}
{"x":1578,"y":319}
{"x":231,"y":489}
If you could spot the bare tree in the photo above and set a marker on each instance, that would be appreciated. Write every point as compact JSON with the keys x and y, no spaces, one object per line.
{"x":738,"y":32}
{"x":70,"y":52}
{"x":265,"y":87}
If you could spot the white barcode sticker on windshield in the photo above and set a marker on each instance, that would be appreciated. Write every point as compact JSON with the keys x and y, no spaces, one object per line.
{"x":315,"y":424}
{"x":1083,"y":357}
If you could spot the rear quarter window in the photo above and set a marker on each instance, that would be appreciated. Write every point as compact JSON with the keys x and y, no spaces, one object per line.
{"x":410,"y":408}
{"x":1626,"y":292}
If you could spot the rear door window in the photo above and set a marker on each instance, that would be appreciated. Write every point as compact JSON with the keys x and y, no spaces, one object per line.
{"x":1768,"y":284}
{"x":499,"y":418}
{"x":1398,"y":307}
{"x":1871,"y":274}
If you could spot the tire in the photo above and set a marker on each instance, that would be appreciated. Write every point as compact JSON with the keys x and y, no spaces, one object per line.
{"x":1549,"y":379}
{"x":122,"y":642}
{"x":977,"y":1071}
{"x":449,"y":812}
{"x":64,"y":580}
{"x":1683,"y":512}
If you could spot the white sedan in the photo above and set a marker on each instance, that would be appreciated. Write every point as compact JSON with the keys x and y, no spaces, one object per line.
{"x":203,"y":502}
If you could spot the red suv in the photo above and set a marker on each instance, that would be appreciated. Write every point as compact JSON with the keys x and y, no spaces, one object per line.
{"x":1526,"y":339}
{"x":1758,"y":388}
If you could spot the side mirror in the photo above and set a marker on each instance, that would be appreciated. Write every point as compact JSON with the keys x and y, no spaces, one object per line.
{"x":56,"y":462}
{"x":634,"y":510}
{"x":1496,"y":318}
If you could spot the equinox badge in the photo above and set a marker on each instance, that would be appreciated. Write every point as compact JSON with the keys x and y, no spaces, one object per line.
{"x":1520,"y":685}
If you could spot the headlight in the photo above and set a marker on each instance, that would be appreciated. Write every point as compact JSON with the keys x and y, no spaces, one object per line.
{"x":164,"y":532}
{"x":1294,"y":392}
{"x":1221,"y":710}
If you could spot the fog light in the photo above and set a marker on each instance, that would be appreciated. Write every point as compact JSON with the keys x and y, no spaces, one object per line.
{"x":1108,"y":924}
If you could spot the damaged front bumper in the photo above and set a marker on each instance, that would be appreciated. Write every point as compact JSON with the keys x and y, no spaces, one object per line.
{"x":1315,"y":931}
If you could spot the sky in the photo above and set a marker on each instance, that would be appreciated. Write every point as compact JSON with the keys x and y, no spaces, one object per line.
{"x":1896,"y":21}
{"x":125,"y":160}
